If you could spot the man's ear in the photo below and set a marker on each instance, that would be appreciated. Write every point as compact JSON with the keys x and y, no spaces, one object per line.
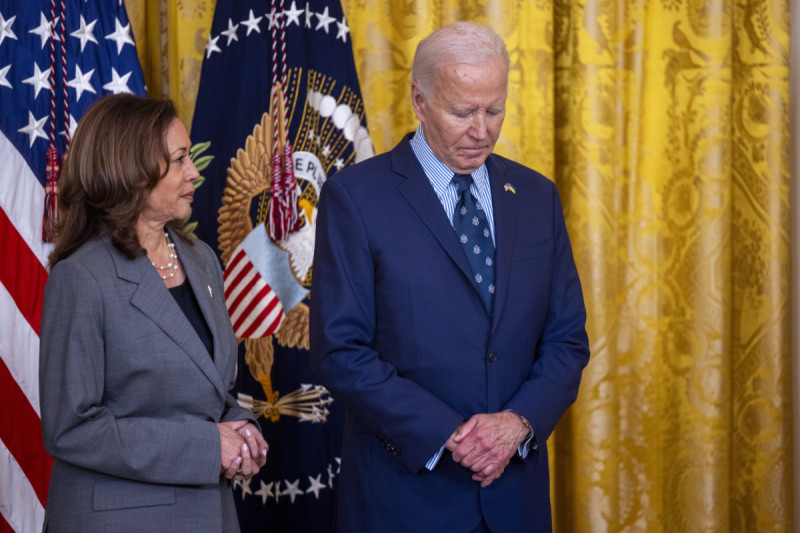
{"x":417,"y":101}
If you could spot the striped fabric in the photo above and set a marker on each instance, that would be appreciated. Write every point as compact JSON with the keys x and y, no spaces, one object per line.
{"x":441,"y":180}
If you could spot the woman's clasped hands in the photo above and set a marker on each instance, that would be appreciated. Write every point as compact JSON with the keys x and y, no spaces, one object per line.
{"x":244,"y":450}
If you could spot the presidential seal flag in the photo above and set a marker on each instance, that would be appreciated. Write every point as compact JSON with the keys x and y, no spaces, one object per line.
{"x":56,"y":58}
{"x":278,"y":111}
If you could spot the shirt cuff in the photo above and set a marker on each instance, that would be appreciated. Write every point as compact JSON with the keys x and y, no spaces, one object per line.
{"x":431,"y":464}
{"x":527,"y":446}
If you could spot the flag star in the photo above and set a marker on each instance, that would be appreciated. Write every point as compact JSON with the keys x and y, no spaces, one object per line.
{"x":230,"y":33}
{"x":309,"y":14}
{"x":274,"y":18}
{"x":245,"y":485}
{"x":72,"y":125}
{"x":324,"y":20}
{"x":81,"y":82}
{"x":117,"y":84}
{"x":5,"y":28}
{"x":292,"y":490}
{"x":252,"y":23}
{"x":311,"y":136}
{"x":212,"y":47}
{"x":121,"y":36}
{"x":293,"y":15}
{"x":339,"y":164}
{"x":3,"y":79}
{"x":343,"y":29}
{"x":40,"y":80}
{"x":316,"y":485}
{"x":85,"y":33}
{"x":266,"y":489}
{"x":35,"y":128}
{"x":326,"y":151}
{"x":43,"y":30}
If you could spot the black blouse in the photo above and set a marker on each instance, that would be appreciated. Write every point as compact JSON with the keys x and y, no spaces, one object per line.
{"x":187,"y":301}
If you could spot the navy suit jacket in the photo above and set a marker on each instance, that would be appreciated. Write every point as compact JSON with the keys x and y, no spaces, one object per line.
{"x":400,"y":335}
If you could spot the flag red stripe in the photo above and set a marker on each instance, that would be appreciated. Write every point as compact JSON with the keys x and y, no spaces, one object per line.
{"x":238,"y":258}
{"x":21,"y":431}
{"x":272,"y":327}
{"x":233,"y":306}
{"x":234,"y":261}
{"x":244,"y":314}
{"x":21,"y":273}
{"x":253,"y":300}
{"x":263,"y":315}
{"x":4,"y":527}
{"x":238,"y":279}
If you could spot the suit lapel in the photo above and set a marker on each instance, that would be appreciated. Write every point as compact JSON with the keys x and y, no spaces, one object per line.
{"x":419,"y":193}
{"x":153,"y":299}
{"x":505,"y":206}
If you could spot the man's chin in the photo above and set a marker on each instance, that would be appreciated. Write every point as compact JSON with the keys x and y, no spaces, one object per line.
{"x":471,"y":163}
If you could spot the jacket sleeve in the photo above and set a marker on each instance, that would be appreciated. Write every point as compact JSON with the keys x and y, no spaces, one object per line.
{"x":411,"y":422}
{"x":563,"y":349}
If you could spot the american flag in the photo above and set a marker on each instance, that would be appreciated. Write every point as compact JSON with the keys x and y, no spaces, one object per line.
{"x":49,"y":75}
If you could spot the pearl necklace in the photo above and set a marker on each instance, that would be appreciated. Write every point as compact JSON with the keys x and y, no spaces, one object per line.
{"x":168,"y":271}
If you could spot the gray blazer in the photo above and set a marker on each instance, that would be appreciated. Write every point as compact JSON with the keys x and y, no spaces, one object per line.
{"x":130,"y":396}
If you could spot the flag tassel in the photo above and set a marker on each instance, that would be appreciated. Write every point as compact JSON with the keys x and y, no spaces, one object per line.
{"x":50,"y":217}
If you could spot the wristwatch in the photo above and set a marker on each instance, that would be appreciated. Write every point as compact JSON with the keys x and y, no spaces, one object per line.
{"x":526,"y":424}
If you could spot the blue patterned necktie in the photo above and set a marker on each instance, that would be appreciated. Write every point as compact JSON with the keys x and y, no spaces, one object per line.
{"x":472,"y":229}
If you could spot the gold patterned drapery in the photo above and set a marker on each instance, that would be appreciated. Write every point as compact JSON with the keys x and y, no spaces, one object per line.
{"x":665,"y":125}
{"x":170,"y":39}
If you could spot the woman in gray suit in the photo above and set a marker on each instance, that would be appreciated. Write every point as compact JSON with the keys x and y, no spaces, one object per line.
{"x":137,"y":351}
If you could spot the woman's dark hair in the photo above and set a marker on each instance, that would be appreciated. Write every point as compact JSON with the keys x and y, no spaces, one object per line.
{"x":115,"y":159}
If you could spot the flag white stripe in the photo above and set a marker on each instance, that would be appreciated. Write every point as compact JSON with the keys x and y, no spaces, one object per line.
{"x":260,"y":307}
{"x":236,"y":314}
{"x":19,"y":505}
{"x":270,"y":323}
{"x":19,"y":349}
{"x":22,"y":198}
{"x":232,"y":272}
{"x":236,"y":309}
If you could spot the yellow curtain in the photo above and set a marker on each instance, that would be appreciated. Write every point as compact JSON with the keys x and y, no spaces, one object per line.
{"x":170,"y":39}
{"x":665,"y":125}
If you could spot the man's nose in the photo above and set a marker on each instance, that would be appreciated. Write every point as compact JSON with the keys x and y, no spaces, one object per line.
{"x":478,"y":126}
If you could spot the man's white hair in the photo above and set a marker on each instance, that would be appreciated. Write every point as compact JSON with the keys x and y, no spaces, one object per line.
{"x":459,"y":42}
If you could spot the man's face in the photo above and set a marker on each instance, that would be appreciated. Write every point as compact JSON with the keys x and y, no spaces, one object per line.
{"x":462,"y":117}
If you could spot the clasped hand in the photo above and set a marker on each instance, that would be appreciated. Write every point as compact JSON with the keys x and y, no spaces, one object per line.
{"x":244,"y":450}
{"x":486,"y":443}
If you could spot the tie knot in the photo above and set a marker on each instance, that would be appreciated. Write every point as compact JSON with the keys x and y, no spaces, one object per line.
{"x":462,"y":181}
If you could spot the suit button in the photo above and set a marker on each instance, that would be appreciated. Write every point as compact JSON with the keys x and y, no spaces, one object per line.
{"x":209,"y":419}
{"x":493,"y":357}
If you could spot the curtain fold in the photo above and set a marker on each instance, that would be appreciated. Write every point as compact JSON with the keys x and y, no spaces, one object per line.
{"x":171,"y":38}
{"x":665,"y":125}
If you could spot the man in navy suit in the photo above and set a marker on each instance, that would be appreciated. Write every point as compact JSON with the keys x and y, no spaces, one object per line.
{"x":447,"y":311}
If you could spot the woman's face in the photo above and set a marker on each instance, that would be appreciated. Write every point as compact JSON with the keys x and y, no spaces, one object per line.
{"x":172,"y":196}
